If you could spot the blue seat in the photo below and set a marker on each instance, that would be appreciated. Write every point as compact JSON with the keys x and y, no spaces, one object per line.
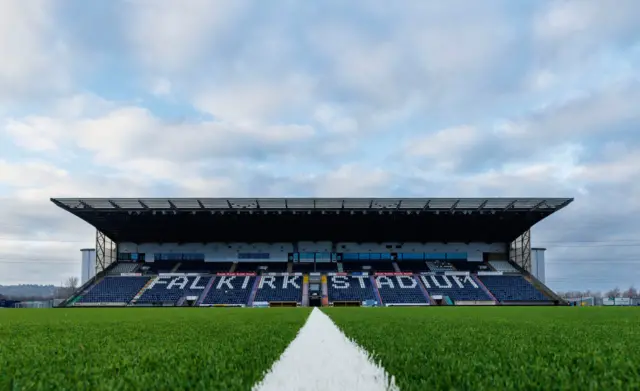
{"x":171,"y":289}
{"x":279,"y":288}
{"x":350,"y":288}
{"x":457,"y":288}
{"x":230,"y":290}
{"x":400,"y":290}
{"x":114,"y":289}
{"x":512,"y":288}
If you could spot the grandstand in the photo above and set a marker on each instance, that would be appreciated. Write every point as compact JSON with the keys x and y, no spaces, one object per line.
{"x":313,"y":251}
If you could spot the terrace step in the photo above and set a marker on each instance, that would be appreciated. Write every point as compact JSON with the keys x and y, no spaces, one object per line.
{"x":206,"y":291}
{"x":424,"y":290}
{"x":376,"y":292}
{"x":141,"y":292}
{"x":305,"y":290}
{"x":254,"y":291}
{"x":325,"y":291}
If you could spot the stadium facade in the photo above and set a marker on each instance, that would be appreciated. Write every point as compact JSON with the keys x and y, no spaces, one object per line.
{"x":314,"y":251}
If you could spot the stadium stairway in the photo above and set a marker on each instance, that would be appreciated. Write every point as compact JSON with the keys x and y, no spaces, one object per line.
{"x":254,"y":290}
{"x":375,"y":290}
{"x":305,"y":290}
{"x":176,"y":267}
{"x":141,"y":292}
{"x":424,"y":290}
{"x":396,"y":268}
{"x":233,"y":267}
{"x":205,"y":291}
{"x":325,"y":291}
{"x":340,"y":269}
{"x":484,"y":288}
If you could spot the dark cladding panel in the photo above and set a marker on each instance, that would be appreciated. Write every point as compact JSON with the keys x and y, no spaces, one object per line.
{"x":185,"y":203}
{"x":243,"y":203}
{"x":385,"y":204}
{"x":271,"y":203}
{"x":469,"y":203}
{"x":527,"y":203}
{"x":497,"y":203}
{"x":329,"y":203}
{"x":101,"y":204}
{"x":155,"y":203}
{"x":215,"y":203}
{"x":442,"y":203}
{"x":414,"y":203}
{"x":357,"y":203}
{"x":129,"y":203}
{"x":300,"y":203}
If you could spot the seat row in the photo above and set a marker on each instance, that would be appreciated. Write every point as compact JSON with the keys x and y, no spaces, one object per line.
{"x":249,"y":289}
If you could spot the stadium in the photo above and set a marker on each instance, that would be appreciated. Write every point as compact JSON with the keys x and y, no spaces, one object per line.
{"x":452,"y":290}
{"x":313,"y":252}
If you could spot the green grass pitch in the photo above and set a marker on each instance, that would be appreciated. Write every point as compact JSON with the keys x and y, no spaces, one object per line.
{"x":501,"y":348}
{"x":142,"y":349}
{"x":456,"y":348}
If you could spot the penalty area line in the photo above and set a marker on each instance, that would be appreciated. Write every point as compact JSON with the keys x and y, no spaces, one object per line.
{"x":322,"y":358}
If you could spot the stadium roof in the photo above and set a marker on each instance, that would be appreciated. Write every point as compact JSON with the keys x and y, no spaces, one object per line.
{"x":450,"y":205}
{"x":284,"y":219}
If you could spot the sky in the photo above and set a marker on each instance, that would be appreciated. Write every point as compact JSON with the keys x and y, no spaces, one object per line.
{"x":121,"y":98}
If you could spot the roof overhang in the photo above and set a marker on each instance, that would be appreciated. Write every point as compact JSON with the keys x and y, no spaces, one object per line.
{"x":124,"y":219}
{"x":433,"y":205}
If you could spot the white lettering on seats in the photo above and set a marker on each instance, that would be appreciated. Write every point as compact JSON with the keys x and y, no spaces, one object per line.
{"x":158,"y":281}
{"x":290,"y":280}
{"x":194,"y":284}
{"x":401,"y":282}
{"x":380,"y":280}
{"x":343,"y":282}
{"x":179,"y":281}
{"x":361,"y":279}
{"x":267,"y":280}
{"x":226,"y":280}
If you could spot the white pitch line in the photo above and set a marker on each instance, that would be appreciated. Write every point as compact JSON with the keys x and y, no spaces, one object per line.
{"x":322,"y":358}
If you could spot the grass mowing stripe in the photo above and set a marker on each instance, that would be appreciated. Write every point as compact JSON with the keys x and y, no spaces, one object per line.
{"x":499,"y":348}
{"x":134,"y":349}
{"x":322,"y":358}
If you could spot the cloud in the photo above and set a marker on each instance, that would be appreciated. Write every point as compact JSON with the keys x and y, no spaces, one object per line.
{"x":170,"y":36}
{"x":35,"y":55}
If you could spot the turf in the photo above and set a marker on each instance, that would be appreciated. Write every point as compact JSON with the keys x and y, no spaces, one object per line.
{"x":142,"y":349}
{"x":512,"y":348}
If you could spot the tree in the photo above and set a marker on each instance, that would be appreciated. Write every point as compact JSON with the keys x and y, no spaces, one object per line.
{"x":631,"y":292}
{"x":71,"y":283}
{"x":613,"y":293}
{"x":67,"y":289}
